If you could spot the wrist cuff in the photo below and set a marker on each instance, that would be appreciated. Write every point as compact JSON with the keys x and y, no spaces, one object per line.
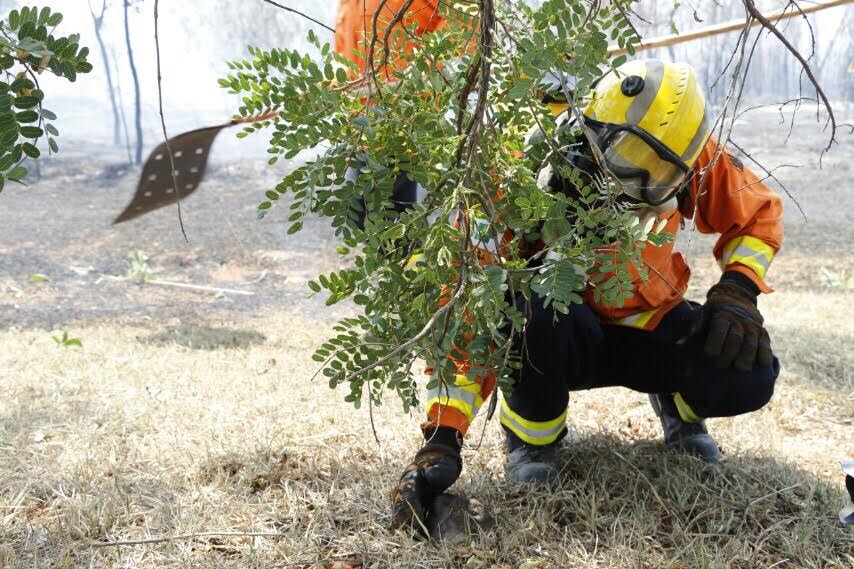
{"x":444,"y":435}
{"x":742,"y":280}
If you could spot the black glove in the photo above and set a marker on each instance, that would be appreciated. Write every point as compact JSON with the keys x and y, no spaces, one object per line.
{"x":436,"y":466}
{"x":732,"y":327}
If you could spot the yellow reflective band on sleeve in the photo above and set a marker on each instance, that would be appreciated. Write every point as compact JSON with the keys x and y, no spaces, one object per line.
{"x":463,"y":395}
{"x":685,"y":412}
{"x":750,"y":252}
{"x":639,"y":320}
{"x":532,"y":432}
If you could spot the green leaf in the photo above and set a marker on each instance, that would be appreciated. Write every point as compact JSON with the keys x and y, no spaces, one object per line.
{"x":25,"y":102}
{"x":295,"y":227}
{"x":20,"y":84}
{"x":31,"y":150}
{"x":6,"y":161}
{"x":48,"y":115}
{"x":31,"y":131}
{"x":44,"y":15}
{"x":27,"y":116}
{"x":17,"y":173}
{"x":51,"y":129}
{"x":54,"y":147}
{"x":38,"y":278}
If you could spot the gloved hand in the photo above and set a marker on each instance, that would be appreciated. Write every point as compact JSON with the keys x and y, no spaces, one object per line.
{"x":432,"y":471}
{"x":732,"y":327}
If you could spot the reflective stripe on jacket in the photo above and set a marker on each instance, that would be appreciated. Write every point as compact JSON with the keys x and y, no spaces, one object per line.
{"x":726,"y":199}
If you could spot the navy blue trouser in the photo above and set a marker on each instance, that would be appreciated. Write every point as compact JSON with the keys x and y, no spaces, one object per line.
{"x":576,"y":352}
{"x":404,"y":193}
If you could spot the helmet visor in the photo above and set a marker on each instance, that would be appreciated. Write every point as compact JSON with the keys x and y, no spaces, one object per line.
{"x":647,"y":170}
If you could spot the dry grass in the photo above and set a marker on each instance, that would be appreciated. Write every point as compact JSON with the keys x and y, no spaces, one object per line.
{"x":188,"y":413}
{"x":213,"y":426}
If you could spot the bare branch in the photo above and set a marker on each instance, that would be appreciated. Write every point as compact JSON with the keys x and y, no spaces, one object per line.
{"x":298,"y":13}
{"x":184,"y":536}
{"x":163,"y":123}
{"x":768,"y":25}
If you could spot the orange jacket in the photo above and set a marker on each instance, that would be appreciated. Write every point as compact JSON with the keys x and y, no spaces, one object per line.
{"x":727,"y":199}
{"x":356,"y":20}
{"x":732,"y":202}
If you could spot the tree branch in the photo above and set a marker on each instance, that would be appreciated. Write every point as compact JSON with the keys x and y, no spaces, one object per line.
{"x":768,"y":25}
{"x":298,"y":13}
{"x":163,"y":123}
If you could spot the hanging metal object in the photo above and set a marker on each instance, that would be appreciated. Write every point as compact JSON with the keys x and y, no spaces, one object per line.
{"x":156,"y":187}
{"x":190,"y":150}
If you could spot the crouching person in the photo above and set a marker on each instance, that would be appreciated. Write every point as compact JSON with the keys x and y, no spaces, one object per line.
{"x":649,"y":121}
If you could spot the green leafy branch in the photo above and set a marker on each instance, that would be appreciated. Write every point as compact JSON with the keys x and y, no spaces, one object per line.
{"x":452,"y":118}
{"x":27,"y":49}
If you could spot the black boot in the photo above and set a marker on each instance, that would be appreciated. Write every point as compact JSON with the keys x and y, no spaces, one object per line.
{"x":679,"y":436}
{"x":530,"y":464}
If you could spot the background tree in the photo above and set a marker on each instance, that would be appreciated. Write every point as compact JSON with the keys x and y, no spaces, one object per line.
{"x":98,"y":22}
{"x":126,"y":4}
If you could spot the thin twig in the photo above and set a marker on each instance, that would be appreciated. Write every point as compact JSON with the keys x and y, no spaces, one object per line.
{"x":755,"y":13}
{"x":184,"y":536}
{"x":163,"y":124}
{"x":298,"y":13}
{"x":770,"y":174}
{"x":189,"y":286}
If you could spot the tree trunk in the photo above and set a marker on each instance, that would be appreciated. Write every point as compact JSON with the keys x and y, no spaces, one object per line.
{"x":122,"y":107}
{"x":137,"y":103}
{"x":98,"y":22}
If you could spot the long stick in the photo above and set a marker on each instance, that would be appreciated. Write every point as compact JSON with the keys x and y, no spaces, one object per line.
{"x":732,"y":25}
{"x":185,"y":536}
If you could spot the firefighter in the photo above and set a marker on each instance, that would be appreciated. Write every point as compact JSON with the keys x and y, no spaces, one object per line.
{"x":356,"y":23}
{"x":651,"y":127}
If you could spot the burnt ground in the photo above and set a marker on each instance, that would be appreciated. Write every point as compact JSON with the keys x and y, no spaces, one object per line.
{"x":188,"y":411}
{"x":60,"y":227}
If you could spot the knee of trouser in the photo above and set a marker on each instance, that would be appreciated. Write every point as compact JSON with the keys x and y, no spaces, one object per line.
{"x":727,"y":393}
{"x":759,"y":386}
{"x":751,"y":391}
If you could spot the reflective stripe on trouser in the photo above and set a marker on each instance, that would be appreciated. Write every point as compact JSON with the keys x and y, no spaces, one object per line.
{"x":685,"y":412}
{"x":639,"y":320}
{"x":532,"y":432}
{"x":748,"y":251}
{"x":463,"y":395}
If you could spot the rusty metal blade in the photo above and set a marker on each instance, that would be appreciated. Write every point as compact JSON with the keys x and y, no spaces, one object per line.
{"x":155,"y":188}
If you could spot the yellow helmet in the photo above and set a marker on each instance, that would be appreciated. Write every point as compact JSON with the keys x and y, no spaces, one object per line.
{"x":649,"y":120}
